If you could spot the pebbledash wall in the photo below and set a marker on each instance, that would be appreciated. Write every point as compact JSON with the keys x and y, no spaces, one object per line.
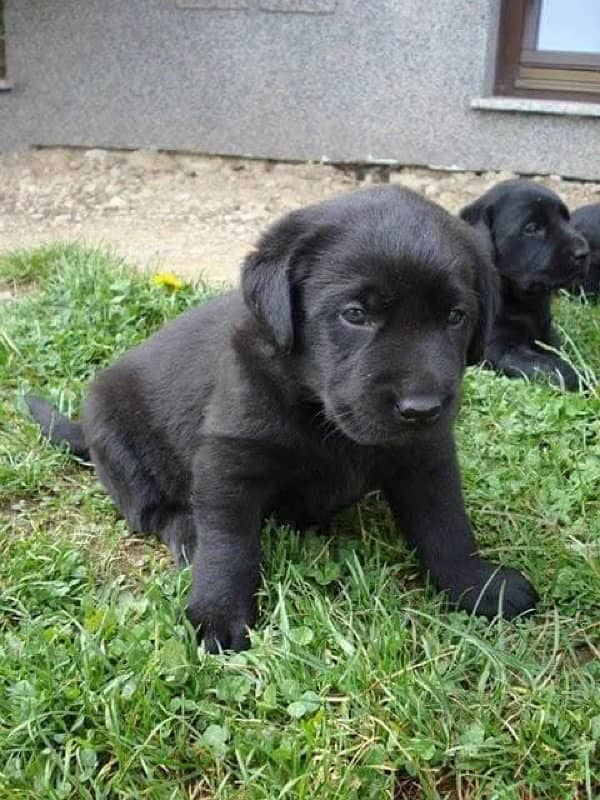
{"x":339,"y":80}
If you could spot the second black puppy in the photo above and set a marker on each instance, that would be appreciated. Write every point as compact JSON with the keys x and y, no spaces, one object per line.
{"x":336,"y":370}
{"x":586,"y":219}
{"x":536,"y":251}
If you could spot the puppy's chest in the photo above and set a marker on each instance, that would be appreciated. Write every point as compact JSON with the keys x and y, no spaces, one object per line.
{"x":321,"y":486}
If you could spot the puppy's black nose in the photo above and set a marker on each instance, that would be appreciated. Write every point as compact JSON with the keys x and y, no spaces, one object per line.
{"x":419,"y":408}
{"x":580,"y":252}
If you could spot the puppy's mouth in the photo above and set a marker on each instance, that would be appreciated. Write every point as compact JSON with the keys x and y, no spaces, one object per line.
{"x":567,"y":274}
{"x":564,"y":281}
{"x":550,"y":283}
{"x":368,"y":428}
{"x":556,"y":276}
{"x":416,"y":422}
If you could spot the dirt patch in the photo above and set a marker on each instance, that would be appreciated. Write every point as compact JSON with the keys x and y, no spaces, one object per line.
{"x":190,"y":213}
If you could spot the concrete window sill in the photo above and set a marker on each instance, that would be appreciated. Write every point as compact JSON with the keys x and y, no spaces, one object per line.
{"x":526,"y":106}
{"x":5,"y":86}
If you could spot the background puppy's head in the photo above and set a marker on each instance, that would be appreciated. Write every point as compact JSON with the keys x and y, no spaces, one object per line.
{"x":586,"y":220}
{"x":534,"y":246}
{"x":380,"y":298}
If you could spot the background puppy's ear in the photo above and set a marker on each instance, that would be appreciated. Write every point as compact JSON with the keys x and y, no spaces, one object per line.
{"x":480,"y":211}
{"x":480,"y":215}
{"x":269,"y":276}
{"x":475,"y":212}
{"x":487,"y":287}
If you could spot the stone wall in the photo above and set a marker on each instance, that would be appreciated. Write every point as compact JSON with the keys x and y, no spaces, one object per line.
{"x":335,"y":80}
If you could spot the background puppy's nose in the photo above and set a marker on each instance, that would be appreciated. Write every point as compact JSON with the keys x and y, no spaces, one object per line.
{"x":419,"y":408}
{"x":580,"y":251}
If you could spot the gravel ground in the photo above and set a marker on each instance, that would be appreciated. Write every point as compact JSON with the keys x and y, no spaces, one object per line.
{"x":189,"y":213}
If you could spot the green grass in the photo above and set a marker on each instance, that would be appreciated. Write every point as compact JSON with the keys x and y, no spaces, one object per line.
{"x":360,"y":684}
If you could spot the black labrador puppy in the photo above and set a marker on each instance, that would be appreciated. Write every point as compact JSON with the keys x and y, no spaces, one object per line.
{"x":536,"y":251}
{"x":335,"y":370}
{"x":586,"y":220}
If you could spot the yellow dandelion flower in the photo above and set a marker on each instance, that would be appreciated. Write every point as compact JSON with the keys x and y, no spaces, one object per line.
{"x":168,"y":279}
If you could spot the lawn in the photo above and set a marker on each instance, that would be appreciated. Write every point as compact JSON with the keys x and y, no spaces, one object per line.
{"x":360,"y":684}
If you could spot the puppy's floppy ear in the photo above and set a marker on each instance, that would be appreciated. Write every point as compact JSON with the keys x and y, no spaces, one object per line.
{"x":269,"y":276}
{"x":480,"y":215}
{"x":479,"y":211}
{"x":487,"y":288}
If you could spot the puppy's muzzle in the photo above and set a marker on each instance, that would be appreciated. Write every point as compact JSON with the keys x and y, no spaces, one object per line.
{"x":417,"y":410}
{"x":580,"y":259}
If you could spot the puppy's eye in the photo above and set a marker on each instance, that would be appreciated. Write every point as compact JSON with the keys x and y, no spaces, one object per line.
{"x":354,"y":315}
{"x":533,"y":229}
{"x":456,"y":316}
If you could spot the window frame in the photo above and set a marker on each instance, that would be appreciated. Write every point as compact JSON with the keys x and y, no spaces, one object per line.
{"x":524,"y":71}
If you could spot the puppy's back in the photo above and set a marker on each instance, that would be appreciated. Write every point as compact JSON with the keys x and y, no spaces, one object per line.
{"x":586,"y":219}
{"x":160,"y":388}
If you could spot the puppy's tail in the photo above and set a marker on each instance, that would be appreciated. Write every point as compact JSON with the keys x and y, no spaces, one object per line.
{"x":58,"y":428}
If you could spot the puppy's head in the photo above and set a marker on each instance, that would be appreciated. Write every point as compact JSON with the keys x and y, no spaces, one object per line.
{"x":534,"y":245}
{"x":380,"y":299}
{"x":586,"y":220}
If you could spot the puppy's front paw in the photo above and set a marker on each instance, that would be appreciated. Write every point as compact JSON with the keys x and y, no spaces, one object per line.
{"x":565,"y":377}
{"x":218,"y":630}
{"x":480,"y":587}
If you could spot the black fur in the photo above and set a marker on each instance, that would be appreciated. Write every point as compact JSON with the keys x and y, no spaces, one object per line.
{"x":586,"y":220}
{"x":336,"y":370}
{"x":536,"y":251}
{"x":58,"y":428}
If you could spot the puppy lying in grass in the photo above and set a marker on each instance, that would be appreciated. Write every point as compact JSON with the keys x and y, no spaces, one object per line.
{"x":335,"y":370}
{"x":536,"y":250}
{"x":586,"y":220}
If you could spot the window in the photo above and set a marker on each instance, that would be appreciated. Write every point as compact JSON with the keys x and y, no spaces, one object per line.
{"x":549,"y":48}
